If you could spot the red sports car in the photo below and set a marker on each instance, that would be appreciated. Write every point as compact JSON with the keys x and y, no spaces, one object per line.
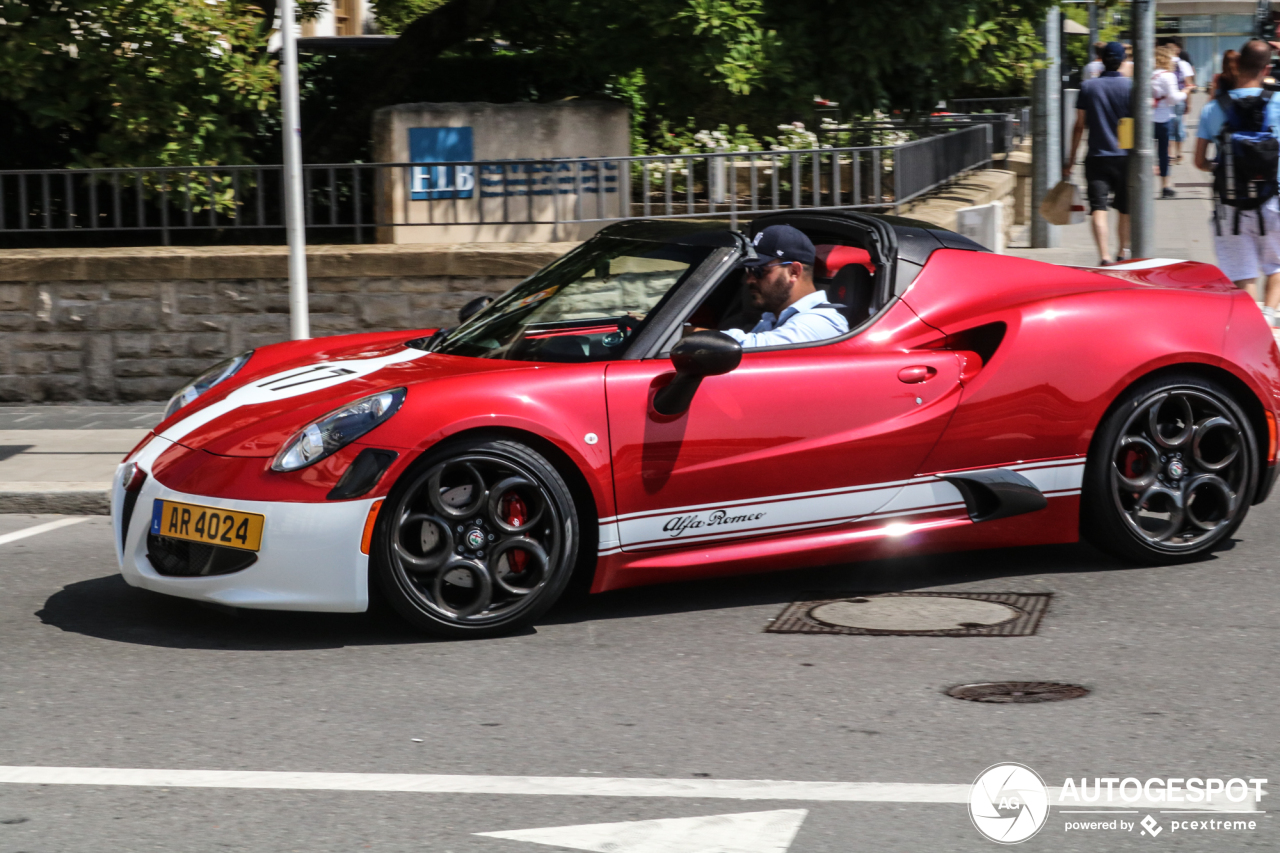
{"x":573,"y":427}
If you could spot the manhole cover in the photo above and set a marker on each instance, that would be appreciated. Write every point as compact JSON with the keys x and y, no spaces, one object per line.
{"x":911,"y":613}
{"x":1006,"y":692}
{"x":922,"y":614}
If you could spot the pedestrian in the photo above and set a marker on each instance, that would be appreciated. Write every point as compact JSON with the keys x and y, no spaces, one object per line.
{"x":1182,"y":63}
{"x":1225,"y":80}
{"x":1126,"y":67}
{"x":1247,"y":240}
{"x":1186,"y":74}
{"x":1166,"y":92}
{"x":1094,"y":68}
{"x":1101,"y":104}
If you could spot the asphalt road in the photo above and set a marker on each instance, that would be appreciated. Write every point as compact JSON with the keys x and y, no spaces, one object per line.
{"x":676,"y":682}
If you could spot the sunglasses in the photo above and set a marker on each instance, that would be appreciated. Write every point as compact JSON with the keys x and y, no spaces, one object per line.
{"x":756,"y":272}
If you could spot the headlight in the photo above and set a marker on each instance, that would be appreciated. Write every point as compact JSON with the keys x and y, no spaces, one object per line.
{"x":220,"y":371}
{"x":336,"y":430}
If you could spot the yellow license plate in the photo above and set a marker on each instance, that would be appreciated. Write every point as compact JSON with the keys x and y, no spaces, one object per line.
{"x":208,"y":524}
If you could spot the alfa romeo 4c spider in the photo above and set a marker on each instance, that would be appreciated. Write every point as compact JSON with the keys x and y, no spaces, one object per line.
{"x":575,"y":428}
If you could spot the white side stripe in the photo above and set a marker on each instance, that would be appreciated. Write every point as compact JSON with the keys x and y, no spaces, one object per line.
{"x":805,"y":510}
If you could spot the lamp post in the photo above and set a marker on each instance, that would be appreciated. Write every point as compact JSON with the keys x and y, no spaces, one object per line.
{"x":295,"y":223}
{"x":1046,"y":128}
{"x":1142,"y":203}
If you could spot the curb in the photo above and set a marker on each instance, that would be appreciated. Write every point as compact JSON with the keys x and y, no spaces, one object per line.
{"x":57,"y":503}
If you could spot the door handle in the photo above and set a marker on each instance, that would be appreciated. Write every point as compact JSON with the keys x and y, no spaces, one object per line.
{"x":917,"y":373}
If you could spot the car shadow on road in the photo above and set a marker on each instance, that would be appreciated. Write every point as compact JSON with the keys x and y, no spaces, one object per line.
{"x":1002,"y":570}
{"x":109,"y":609}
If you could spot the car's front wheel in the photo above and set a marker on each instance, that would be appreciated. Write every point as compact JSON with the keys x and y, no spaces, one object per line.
{"x":1171,"y":472}
{"x":478,"y":538}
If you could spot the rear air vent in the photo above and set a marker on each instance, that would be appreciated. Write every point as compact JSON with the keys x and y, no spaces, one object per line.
{"x":984,"y":340}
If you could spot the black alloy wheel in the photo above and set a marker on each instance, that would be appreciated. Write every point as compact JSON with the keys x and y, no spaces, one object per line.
{"x":1171,"y":473}
{"x":478,"y":538}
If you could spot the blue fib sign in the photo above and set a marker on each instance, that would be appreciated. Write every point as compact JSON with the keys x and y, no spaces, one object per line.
{"x":440,"y":145}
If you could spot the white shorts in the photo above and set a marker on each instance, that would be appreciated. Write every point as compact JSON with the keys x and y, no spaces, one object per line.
{"x":1243,"y":256}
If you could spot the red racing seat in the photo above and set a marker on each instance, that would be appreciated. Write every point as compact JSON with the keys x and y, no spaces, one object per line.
{"x":847,"y":275}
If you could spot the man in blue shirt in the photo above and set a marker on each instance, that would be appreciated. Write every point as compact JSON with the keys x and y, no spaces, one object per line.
{"x":1102,"y":102}
{"x":780,"y":280}
{"x":1256,"y":249}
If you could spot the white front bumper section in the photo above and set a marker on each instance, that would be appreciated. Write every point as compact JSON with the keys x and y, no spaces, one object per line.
{"x":310,"y":557}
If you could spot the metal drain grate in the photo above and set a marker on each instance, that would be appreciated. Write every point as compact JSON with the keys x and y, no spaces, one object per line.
{"x":916,"y":614}
{"x":1019,"y":692}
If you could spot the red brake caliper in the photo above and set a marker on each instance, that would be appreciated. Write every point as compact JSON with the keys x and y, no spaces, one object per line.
{"x":515,"y":513}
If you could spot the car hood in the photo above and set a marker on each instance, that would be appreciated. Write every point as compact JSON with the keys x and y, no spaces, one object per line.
{"x":284,"y":387}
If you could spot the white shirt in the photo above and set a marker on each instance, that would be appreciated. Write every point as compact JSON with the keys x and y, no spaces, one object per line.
{"x":1164,"y":88}
{"x":810,"y":318}
{"x":1093,"y":69}
{"x":1188,"y":71}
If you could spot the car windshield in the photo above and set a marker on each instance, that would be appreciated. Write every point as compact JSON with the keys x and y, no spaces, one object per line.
{"x":584,"y":307}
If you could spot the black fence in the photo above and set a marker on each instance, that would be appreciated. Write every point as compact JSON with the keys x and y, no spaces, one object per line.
{"x":349,"y":202}
{"x":920,"y":166}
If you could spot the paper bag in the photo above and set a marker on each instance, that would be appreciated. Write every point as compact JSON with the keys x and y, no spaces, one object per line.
{"x":1062,"y":205}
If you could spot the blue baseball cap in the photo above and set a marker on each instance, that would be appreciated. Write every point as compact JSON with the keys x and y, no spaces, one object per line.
{"x":782,"y":243}
{"x":1113,"y":50}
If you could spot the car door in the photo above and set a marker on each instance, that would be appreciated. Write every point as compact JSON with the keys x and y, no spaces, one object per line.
{"x":791,"y":440}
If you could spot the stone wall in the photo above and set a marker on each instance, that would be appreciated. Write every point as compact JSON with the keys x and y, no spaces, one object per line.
{"x":136,"y":324}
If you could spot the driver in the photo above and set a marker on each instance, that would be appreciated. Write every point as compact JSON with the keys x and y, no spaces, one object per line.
{"x":780,"y":280}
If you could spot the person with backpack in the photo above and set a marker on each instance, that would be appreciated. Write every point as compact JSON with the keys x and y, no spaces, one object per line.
{"x":1244,"y":125}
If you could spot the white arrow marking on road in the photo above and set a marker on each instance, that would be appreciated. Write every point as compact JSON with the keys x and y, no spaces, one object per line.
{"x":750,"y":832}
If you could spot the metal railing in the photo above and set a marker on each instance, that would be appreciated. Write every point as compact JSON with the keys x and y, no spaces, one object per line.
{"x":987,"y":105}
{"x":1007,"y":128}
{"x":351,"y":201}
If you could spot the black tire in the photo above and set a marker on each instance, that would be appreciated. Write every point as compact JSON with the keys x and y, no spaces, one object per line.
{"x":492,"y":551}
{"x":1171,"y":471}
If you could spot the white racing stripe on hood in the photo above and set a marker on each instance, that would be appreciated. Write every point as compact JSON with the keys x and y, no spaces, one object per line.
{"x":1148,"y":264}
{"x":293,"y":382}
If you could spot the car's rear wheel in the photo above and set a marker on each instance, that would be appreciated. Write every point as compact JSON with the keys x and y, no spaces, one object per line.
{"x":1171,"y":472}
{"x":478,"y":538}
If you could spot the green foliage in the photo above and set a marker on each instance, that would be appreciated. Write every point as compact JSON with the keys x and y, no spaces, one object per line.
{"x":162,"y":82}
{"x":738,"y":47}
{"x":996,"y":46}
{"x":1079,"y":51}
{"x":137,"y":82}
{"x":394,"y":15}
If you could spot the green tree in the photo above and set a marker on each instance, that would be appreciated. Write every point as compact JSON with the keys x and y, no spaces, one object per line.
{"x":133,"y":82}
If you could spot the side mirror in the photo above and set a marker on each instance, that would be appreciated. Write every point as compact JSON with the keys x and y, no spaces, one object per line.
{"x":698,"y":356}
{"x":474,"y":307}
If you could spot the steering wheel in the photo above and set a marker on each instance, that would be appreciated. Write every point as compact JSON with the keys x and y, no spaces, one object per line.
{"x":627,"y":326}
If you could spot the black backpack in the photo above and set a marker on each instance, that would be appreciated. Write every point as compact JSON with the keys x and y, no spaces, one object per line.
{"x":1248,"y":156}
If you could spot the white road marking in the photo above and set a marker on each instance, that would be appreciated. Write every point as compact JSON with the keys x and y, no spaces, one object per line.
{"x":752,"y":832}
{"x":570,"y":786}
{"x":40,"y":528}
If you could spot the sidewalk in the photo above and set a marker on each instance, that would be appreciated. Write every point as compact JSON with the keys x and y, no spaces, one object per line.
{"x":60,"y":459}
{"x":1183,"y":229}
